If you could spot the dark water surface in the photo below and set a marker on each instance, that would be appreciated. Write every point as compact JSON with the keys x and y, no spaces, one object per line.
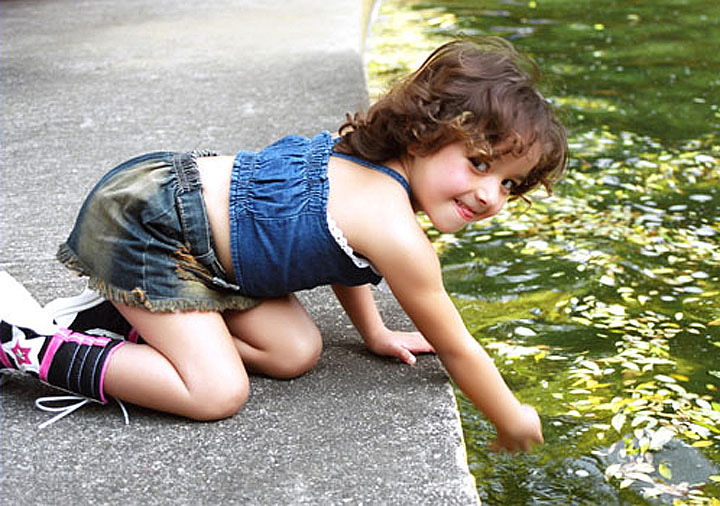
{"x":601,"y":303}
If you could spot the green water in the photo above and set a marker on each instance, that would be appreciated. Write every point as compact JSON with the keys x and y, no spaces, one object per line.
{"x":601,"y":303}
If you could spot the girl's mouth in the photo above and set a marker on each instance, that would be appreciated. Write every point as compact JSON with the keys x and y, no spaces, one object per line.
{"x":464,"y":211}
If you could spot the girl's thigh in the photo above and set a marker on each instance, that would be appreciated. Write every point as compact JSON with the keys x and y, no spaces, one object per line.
{"x":277,"y":338}
{"x":190,"y":365}
{"x":198,"y":344}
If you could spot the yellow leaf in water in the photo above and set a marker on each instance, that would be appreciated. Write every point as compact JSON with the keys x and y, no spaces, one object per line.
{"x":663,"y":270}
{"x":664,"y":471}
{"x":702,"y":444}
{"x":680,"y":377}
{"x":644,"y":445}
{"x":714,"y":477}
{"x":714,"y":323}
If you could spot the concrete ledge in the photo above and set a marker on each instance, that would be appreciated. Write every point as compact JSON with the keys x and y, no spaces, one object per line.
{"x":87,"y":84}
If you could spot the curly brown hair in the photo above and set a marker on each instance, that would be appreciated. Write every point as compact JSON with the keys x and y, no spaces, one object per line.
{"x":480,"y":91}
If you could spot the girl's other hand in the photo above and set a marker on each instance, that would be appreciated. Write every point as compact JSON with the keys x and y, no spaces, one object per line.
{"x":520,"y":433}
{"x":401,"y":345}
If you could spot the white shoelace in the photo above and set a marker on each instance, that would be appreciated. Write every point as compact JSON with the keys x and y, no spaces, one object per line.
{"x":48,"y":404}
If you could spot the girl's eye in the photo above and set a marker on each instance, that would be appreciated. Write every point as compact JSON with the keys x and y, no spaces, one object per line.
{"x":509,"y":184}
{"x":479,"y":165}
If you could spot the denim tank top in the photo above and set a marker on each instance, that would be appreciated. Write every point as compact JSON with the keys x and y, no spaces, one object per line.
{"x":280,"y":232}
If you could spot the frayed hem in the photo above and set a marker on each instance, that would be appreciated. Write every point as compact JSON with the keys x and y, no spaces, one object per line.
{"x":69,"y":259}
{"x":138,"y":298}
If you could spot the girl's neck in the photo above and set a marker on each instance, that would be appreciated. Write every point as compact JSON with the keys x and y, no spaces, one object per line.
{"x":402,"y":166}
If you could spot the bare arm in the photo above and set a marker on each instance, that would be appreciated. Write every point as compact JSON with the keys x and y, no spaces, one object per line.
{"x":418,"y":287}
{"x":360,"y":306}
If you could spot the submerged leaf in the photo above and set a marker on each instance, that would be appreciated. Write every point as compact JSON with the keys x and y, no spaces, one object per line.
{"x":664,"y":471}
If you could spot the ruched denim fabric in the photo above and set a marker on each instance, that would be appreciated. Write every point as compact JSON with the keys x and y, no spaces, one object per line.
{"x":279,"y":235}
{"x":143,"y":238}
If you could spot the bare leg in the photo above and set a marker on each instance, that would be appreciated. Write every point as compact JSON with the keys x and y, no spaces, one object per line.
{"x":189,"y":367}
{"x":277,"y":338}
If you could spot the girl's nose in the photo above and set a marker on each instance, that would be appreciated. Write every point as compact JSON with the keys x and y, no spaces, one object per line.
{"x":490,"y":198}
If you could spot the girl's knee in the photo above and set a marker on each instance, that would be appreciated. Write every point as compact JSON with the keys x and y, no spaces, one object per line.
{"x":300,"y":354}
{"x":221,"y":399}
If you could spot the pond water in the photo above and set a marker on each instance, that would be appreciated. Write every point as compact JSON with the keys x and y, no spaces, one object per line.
{"x":600,"y":304}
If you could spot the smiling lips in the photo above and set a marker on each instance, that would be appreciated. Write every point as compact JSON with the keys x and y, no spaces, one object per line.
{"x":464,"y":211}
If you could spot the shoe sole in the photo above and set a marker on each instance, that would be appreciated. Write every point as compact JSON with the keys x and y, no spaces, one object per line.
{"x":64,"y":310}
{"x":18,"y":307}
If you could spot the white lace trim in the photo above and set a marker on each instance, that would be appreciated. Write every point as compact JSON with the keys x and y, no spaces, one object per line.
{"x":341,"y":241}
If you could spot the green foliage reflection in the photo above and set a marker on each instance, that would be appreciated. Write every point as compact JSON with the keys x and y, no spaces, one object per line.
{"x":601,"y":304}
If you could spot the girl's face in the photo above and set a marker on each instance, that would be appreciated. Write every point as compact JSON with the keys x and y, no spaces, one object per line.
{"x":454,"y":188}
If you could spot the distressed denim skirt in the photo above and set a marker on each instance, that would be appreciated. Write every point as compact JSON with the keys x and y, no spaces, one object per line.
{"x":142,"y":237}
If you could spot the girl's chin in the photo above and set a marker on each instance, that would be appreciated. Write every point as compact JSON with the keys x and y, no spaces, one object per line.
{"x":449,"y":229}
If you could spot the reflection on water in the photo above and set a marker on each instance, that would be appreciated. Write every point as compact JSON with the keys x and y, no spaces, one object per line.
{"x":600,"y":303}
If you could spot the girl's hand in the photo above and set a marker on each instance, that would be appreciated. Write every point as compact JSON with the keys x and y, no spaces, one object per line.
{"x":520,"y":433}
{"x":401,"y":345}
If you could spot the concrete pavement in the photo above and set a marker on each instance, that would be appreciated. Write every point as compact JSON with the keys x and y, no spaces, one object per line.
{"x":89,"y":83}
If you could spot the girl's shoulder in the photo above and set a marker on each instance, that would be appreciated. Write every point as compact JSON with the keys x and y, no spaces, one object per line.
{"x":376,"y":214}
{"x":366,"y":200}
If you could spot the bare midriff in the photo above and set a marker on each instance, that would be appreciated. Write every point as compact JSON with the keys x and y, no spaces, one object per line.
{"x":215,"y":174}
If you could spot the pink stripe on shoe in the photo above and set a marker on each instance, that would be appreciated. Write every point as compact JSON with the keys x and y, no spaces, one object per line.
{"x":53,"y":346}
{"x":68,"y":335}
{"x":65,"y":336}
{"x":104,"y":369}
{"x":5,"y":360}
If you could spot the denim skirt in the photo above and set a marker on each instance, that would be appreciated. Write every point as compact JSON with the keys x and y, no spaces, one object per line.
{"x":142,"y":237}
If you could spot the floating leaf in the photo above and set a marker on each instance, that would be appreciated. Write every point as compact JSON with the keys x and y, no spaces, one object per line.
{"x":525,"y":332}
{"x":641,"y":477}
{"x":607,"y":281}
{"x":626,"y":483}
{"x":664,"y":379}
{"x":633,"y":366}
{"x":618,"y":421}
{"x":612,"y":470}
{"x":660,"y":438}
{"x":702,"y":444}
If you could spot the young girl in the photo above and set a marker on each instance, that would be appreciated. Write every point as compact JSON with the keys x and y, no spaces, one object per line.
{"x":201,"y":254}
